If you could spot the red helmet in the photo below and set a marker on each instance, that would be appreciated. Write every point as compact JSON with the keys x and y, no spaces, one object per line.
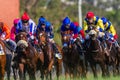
{"x":90,"y":15}
{"x":25,"y":16}
{"x":76,"y":24}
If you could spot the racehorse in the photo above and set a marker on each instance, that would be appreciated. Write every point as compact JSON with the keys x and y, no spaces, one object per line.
{"x":112,"y":58}
{"x":71,"y":57}
{"x":2,"y":60}
{"x":95,"y":53}
{"x":26,"y":57}
{"x":48,"y":56}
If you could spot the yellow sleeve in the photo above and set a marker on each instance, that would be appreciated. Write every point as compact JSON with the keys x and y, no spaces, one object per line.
{"x":100,"y":24}
{"x":85,"y":26}
{"x":112,"y":30}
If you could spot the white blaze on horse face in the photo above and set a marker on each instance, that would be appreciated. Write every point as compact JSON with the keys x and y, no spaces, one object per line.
{"x":40,"y":34}
{"x":92,"y":32}
{"x":64,"y":37}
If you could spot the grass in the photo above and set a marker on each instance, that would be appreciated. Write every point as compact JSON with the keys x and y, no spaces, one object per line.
{"x":89,"y":77}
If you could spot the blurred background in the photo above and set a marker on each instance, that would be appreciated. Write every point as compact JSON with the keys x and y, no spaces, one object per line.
{"x":56,"y":10}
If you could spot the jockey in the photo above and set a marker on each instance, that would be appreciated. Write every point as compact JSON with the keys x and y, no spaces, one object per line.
{"x":27,"y":25}
{"x":71,"y":28}
{"x":13,"y":29}
{"x":75,"y":31}
{"x":91,"y":19}
{"x":41,"y":24}
{"x":47,"y":27}
{"x":111,"y":30}
{"x":49,"y":31}
{"x":5,"y":36}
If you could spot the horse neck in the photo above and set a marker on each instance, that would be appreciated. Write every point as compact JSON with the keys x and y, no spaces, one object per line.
{"x":47,"y":49}
{"x":109,"y":44}
{"x":95,"y":44}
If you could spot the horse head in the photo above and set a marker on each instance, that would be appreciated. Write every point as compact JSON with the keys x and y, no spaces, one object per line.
{"x":22,"y":46}
{"x":92,"y":34}
{"x":21,"y":36}
{"x":66,"y":38}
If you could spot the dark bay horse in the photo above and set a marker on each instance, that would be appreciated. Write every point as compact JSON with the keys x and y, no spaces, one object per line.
{"x":71,"y":57}
{"x":95,"y":53}
{"x":2,"y":60}
{"x":112,"y":59}
{"x":26,"y":57}
{"x":48,"y":56}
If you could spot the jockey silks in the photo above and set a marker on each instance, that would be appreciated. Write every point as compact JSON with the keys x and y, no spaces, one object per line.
{"x":30,"y":28}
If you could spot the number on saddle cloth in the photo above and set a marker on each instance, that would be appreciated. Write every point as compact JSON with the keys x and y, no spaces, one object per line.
{"x":1,"y":50}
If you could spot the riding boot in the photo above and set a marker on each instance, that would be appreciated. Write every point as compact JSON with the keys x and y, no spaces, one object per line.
{"x":57,"y":54}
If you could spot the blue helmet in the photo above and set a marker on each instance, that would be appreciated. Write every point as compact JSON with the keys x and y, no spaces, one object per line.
{"x":42,"y":20}
{"x":48,"y":24}
{"x":66,"y":21}
{"x":104,"y":20}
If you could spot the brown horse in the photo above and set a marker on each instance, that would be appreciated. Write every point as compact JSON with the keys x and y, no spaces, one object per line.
{"x":2,"y":60}
{"x":112,"y":58}
{"x":47,"y":56}
{"x":58,"y":63}
{"x":114,"y":55}
{"x":71,"y":57}
{"x":95,"y":53}
{"x":26,"y":57}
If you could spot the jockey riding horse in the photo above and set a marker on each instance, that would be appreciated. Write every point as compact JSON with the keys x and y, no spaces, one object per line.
{"x":26,"y":57}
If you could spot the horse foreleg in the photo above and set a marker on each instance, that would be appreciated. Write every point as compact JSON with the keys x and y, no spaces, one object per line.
{"x":8,"y":65}
{"x":2,"y":72}
{"x":21,"y":71}
{"x":93,"y":66}
{"x":104,"y":69}
{"x":42,"y":72}
{"x":58,"y":68}
{"x":2,"y":67}
{"x":14,"y":73}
